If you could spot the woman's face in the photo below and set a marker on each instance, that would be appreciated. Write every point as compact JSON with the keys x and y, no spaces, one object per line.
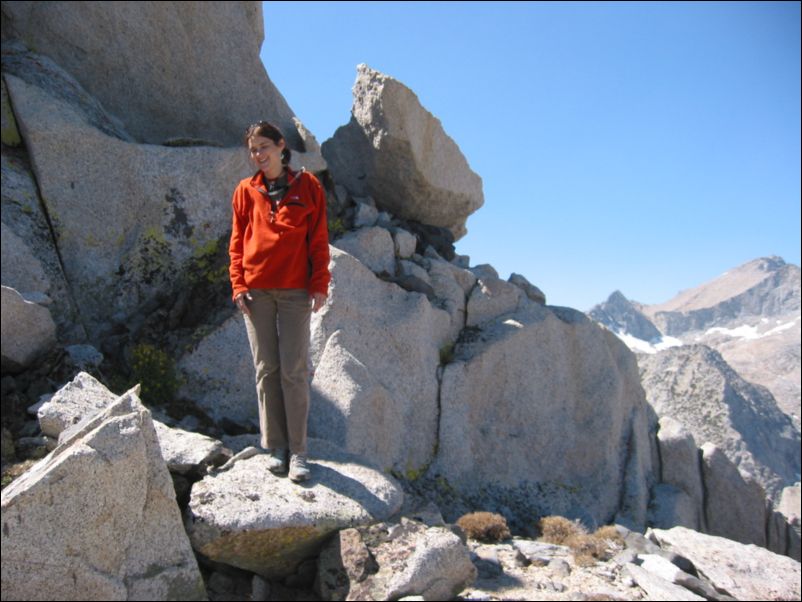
{"x":266,"y":155}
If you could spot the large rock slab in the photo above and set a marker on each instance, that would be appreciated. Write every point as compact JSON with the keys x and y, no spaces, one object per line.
{"x":79,"y":398}
{"x":100,"y":514}
{"x":247,"y":517}
{"x":372,"y":246}
{"x":85,"y":396}
{"x":393,"y":561}
{"x":28,"y":330}
{"x":21,"y":269}
{"x":202,"y":52}
{"x":696,"y":387}
{"x":746,"y":572}
{"x":170,"y":206}
{"x":681,"y":467}
{"x":30,"y":261}
{"x":395,"y":151}
{"x":219,"y":376}
{"x":735,"y":507}
{"x":543,"y":412}
{"x":376,"y":349}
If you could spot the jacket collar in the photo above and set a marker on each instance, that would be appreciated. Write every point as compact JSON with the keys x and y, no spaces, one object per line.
{"x":258,"y":179}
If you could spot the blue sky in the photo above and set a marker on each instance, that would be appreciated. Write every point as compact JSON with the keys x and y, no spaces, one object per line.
{"x":645,"y":147}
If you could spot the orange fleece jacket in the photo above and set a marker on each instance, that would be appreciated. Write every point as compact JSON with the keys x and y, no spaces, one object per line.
{"x":286,"y":246}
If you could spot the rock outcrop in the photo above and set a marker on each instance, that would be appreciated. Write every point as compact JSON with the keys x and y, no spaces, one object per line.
{"x":168,"y":205}
{"x":28,"y":331}
{"x":395,"y":151}
{"x":743,"y":572}
{"x":466,"y":387}
{"x":393,"y":561}
{"x":128,"y":55}
{"x":750,"y":315}
{"x":696,"y":387}
{"x":541,"y":411}
{"x":246,"y":517}
{"x":100,"y":514}
{"x":376,"y":350}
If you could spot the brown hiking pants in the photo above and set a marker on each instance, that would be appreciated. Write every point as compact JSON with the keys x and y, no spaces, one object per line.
{"x":278,"y":331}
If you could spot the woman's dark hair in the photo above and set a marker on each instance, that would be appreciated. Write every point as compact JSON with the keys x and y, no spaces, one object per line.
{"x":268,"y":130}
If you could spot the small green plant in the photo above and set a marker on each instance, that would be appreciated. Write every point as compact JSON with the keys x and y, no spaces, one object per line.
{"x":155,"y":370}
{"x":336,"y":228}
{"x":484,"y":526}
{"x":447,"y":353}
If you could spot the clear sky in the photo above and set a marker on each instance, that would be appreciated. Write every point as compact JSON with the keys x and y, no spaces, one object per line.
{"x":646,"y":147}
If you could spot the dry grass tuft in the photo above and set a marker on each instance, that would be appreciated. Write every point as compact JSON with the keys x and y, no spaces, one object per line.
{"x":484,"y":526}
{"x":587,"y":548}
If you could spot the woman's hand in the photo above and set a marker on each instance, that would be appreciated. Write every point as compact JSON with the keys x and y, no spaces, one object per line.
{"x":242,"y":301}
{"x":318,"y":301}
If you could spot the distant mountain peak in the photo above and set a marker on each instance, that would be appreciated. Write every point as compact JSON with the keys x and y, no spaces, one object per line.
{"x":622,"y":317}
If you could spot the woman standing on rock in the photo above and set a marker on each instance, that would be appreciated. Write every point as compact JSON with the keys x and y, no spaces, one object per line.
{"x":279,"y":274}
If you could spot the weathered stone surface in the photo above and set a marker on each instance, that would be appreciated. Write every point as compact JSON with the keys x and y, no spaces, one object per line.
{"x":82,"y":397}
{"x":100,"y":513}
{"x":170,"y":206}
{"x":112,"y":50}
{"x":542,"y":412}
{"x":85,"y":396}
{"x":21,"y":269}
{"x":376,"y":348}
{"x":657,"y":587}
{"x":696,"y":387}
{"x":746,"y":572}
{"x":219,"y":373}
{"x":405,"y":243}
{"x":249,"y":518}
{"x":681,"y":467}
{"x":372,"y":246}
{"x":532,"y":292}
{"x":392,"y":562}
{"x":23,"y":218}
{"x":789,"y":507}
{"x":735,"y":507}
{"x":491,"y":298}
{"x":394,"y":150}
{"x":28,"y":331}
{"x":671,"y":507}
{"x":186,"y":452}
{"x":447,"y":287}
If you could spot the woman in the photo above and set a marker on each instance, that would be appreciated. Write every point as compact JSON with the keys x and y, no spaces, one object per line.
{"x":279,"y":274}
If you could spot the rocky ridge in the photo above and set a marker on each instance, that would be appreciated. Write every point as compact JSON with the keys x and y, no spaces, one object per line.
{"x":412,"y":337}
{"x":749,"y":312}
{"x":251,"y":548}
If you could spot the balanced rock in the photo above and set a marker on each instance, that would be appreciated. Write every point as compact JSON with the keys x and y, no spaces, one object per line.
{"x":100,"y":514}
{"x":395,"y":151}
{"x":249,"y":518}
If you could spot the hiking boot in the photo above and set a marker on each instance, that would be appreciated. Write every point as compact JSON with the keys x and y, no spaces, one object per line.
{"x":277,"y":460}
{"x":299,"y":471}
